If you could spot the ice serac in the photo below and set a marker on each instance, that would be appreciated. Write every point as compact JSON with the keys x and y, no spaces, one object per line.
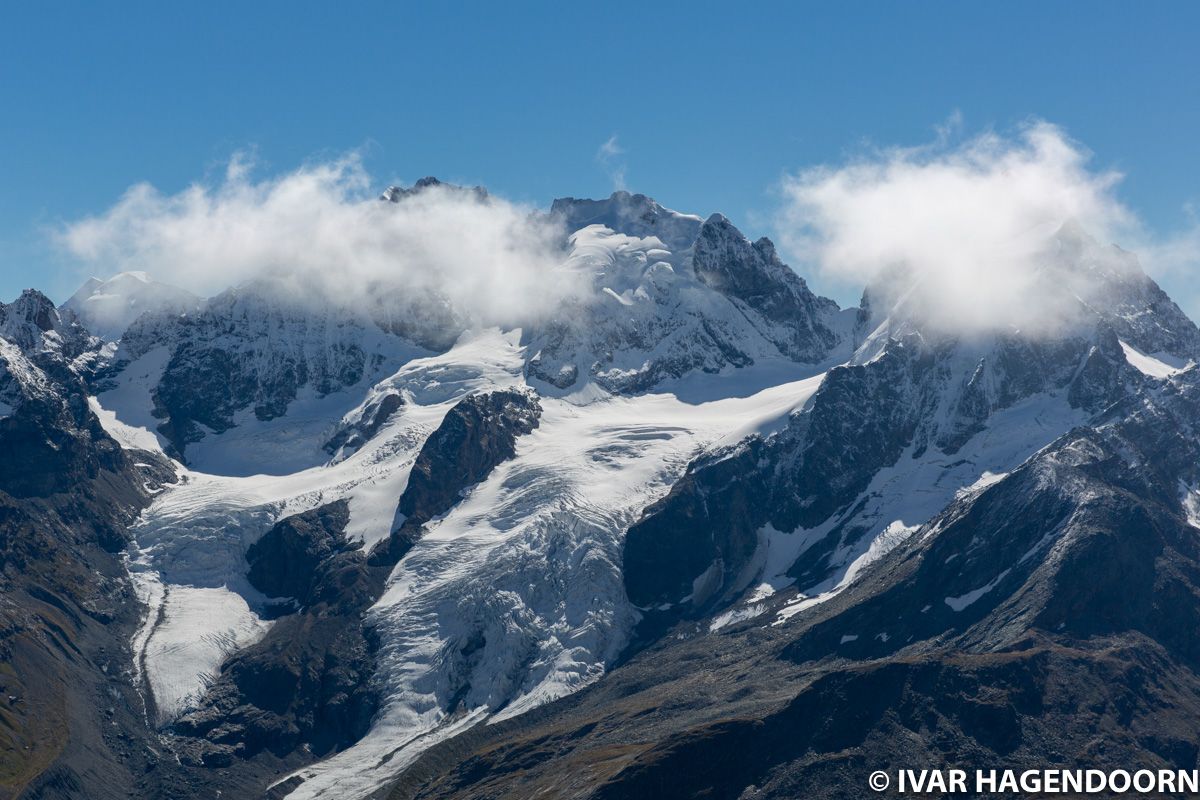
{"x":671,"y":295}
{"x":107,"y":307}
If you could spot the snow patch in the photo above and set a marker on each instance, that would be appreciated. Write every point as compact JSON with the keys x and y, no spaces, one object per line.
{"x":735,"y":615}
{"x":1191,"y":505}
{"x":128,"y":436}
{"x":1156,"y":365}
{"x":987,"y":479}
{"x":962,"y":601}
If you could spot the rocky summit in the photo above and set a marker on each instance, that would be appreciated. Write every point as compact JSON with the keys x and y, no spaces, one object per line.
{"x":691,"y":531}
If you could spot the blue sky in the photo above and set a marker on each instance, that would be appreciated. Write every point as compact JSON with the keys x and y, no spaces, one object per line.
{"x":712,"y":103}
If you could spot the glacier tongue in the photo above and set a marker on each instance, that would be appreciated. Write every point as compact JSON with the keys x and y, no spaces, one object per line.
{"x":514,"y":598}
{"x":188,"y":554}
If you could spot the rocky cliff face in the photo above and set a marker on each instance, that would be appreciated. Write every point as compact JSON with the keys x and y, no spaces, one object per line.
{"x":52,"y":440}
{"x":774,"y":299}
{"x":70,"y":720}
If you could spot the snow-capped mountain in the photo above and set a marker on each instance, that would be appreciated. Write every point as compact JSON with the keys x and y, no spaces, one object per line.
{"x":376,"y":536}
{"x":107,"y":307}
{"x":958,"y":549}
{"x":674,"y":295}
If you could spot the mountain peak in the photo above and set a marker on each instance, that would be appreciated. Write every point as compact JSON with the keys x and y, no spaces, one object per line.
{"x":396,"y":193}
{"x":107,"y":307}
{"x":630,"y":214}
{"x":32,"y":323}
{"x":35,"y":308}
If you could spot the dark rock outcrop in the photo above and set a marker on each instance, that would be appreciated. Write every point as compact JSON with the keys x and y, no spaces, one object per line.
{"x":480,"y":432}
{"x":350,"y":437}
{"x":285,"y":560}
{"x":860,"y":420}
{"x":396,"y":194}
{"x":753,"y":276}
{"x":306,"y":682}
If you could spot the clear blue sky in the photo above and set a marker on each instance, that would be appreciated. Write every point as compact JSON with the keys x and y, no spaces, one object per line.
{"x":713,"y":102}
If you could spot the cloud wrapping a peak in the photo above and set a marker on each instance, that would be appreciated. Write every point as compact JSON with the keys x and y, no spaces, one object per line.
{"x":969,"y":226}
{"x":323,"y":228}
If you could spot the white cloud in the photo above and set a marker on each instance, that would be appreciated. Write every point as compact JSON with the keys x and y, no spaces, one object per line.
{"x":323,"y":227}
{"x":610,"y":156}
{"x":970,"y":221}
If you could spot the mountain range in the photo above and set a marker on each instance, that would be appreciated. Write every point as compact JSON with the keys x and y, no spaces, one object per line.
{"x":696,"y":532}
